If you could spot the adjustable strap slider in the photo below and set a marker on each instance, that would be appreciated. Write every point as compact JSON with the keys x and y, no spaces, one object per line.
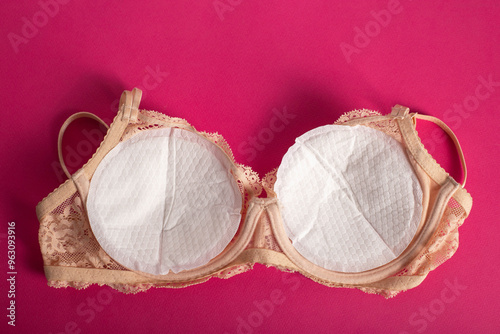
{"x":129,"y":104}
{"x":399,"y":111}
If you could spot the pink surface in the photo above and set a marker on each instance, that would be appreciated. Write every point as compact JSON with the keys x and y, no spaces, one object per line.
{"x":225,"y":65}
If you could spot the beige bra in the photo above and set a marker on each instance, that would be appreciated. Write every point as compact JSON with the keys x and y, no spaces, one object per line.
{"x":359,"y":203}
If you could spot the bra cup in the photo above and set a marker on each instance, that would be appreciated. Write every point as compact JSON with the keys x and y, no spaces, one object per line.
{"x":164,"y":200}
{"x":350,"y":199}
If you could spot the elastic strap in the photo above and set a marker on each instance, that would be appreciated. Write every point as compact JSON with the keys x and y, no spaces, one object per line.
{"x":450,"y":133}
{"x":65,"y":125}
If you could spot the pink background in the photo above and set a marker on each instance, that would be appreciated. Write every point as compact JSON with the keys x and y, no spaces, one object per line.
{"x":224,"y":66}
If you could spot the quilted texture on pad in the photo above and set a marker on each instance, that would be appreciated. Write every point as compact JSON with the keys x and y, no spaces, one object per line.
{"x":164,"y":200}
{"x":350,"y":200}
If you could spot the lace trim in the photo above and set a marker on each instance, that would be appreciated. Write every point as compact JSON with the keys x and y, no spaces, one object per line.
{"x":443,"y":244}
{"x":356,"y":113}
{"x":388,"y":126}
{"x":142,"y":287}
{"x":268,"y":182}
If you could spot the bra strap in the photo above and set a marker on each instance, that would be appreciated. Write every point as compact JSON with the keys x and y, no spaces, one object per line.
{"x":127,"y":113}
{"x":407,"y":126}
{"x":65,"y":125}
{"x":453,"y":137}
{"x":401,"y":112}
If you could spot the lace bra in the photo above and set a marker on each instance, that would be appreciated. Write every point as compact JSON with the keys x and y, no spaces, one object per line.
{"x":359,"y":203}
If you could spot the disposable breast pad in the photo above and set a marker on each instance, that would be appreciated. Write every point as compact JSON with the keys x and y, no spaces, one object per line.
{"x":164,"y":200}
{"x":350,"y":199}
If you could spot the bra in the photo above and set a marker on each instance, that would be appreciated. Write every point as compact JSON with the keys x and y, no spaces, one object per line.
{"x":359,"y":203}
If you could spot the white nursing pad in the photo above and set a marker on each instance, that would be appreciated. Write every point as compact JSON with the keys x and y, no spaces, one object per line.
{"x":350,"y":200}
{"x":164,"y":200}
